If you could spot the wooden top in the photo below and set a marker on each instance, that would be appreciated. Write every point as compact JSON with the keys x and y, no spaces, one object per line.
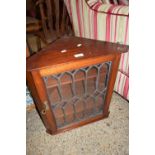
{"x":71,"y":49}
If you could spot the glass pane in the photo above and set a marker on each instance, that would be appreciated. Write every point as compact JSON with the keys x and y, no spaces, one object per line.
{"x":78,"y":94}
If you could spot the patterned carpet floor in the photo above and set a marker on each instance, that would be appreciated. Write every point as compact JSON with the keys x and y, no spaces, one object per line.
{"x":106,"y":137}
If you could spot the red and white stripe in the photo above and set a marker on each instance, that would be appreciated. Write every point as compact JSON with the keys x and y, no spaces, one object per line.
{"x":96,"y":20}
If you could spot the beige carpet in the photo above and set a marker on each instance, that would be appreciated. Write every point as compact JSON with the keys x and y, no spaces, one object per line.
{"x":105,"y":137}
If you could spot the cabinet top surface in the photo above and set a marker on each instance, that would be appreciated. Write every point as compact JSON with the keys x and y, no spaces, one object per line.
{"x":71,"y":49}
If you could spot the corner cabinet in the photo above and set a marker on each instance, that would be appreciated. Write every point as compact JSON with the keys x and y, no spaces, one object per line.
{"x":72,"y":81}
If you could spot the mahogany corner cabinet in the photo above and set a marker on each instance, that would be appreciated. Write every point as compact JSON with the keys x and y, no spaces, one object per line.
{"x":72,"y":81}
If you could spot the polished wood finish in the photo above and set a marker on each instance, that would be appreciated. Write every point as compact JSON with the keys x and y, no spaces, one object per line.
{"x":92,"y":49}
{"x":60,"y":57}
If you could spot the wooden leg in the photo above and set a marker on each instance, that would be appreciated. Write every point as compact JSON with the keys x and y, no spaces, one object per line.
{"x":30,"y":51}
{"x":27,"y":51}
{"x":38,"y":42}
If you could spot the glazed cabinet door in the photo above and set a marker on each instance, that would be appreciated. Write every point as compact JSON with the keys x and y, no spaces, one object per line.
{"x":77,"y":95}
{"x":71,"y":98}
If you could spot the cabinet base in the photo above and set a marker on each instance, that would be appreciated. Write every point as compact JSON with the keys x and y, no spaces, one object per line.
{"x":79,"y":124}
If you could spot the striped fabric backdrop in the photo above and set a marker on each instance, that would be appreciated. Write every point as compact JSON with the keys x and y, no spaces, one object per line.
{"x":110,"y":1}
{"x":116,"y":2}
{"x":95,"y":20}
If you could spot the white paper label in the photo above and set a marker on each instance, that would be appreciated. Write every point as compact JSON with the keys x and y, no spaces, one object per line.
{"x":78,"y":55}
{"x":63,"y":51}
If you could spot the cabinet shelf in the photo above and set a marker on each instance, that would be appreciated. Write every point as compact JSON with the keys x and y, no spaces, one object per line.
{"x":66,"y":79}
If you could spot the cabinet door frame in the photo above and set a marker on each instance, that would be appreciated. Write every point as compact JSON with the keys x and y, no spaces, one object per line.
{"x":44,"y":105}
{"x":39,"y":92}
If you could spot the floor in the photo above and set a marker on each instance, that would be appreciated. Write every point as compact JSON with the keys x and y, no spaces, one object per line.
{"x":106,"y":137}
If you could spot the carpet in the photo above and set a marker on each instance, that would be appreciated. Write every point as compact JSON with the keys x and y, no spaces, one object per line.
{"x":106,"y":137}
